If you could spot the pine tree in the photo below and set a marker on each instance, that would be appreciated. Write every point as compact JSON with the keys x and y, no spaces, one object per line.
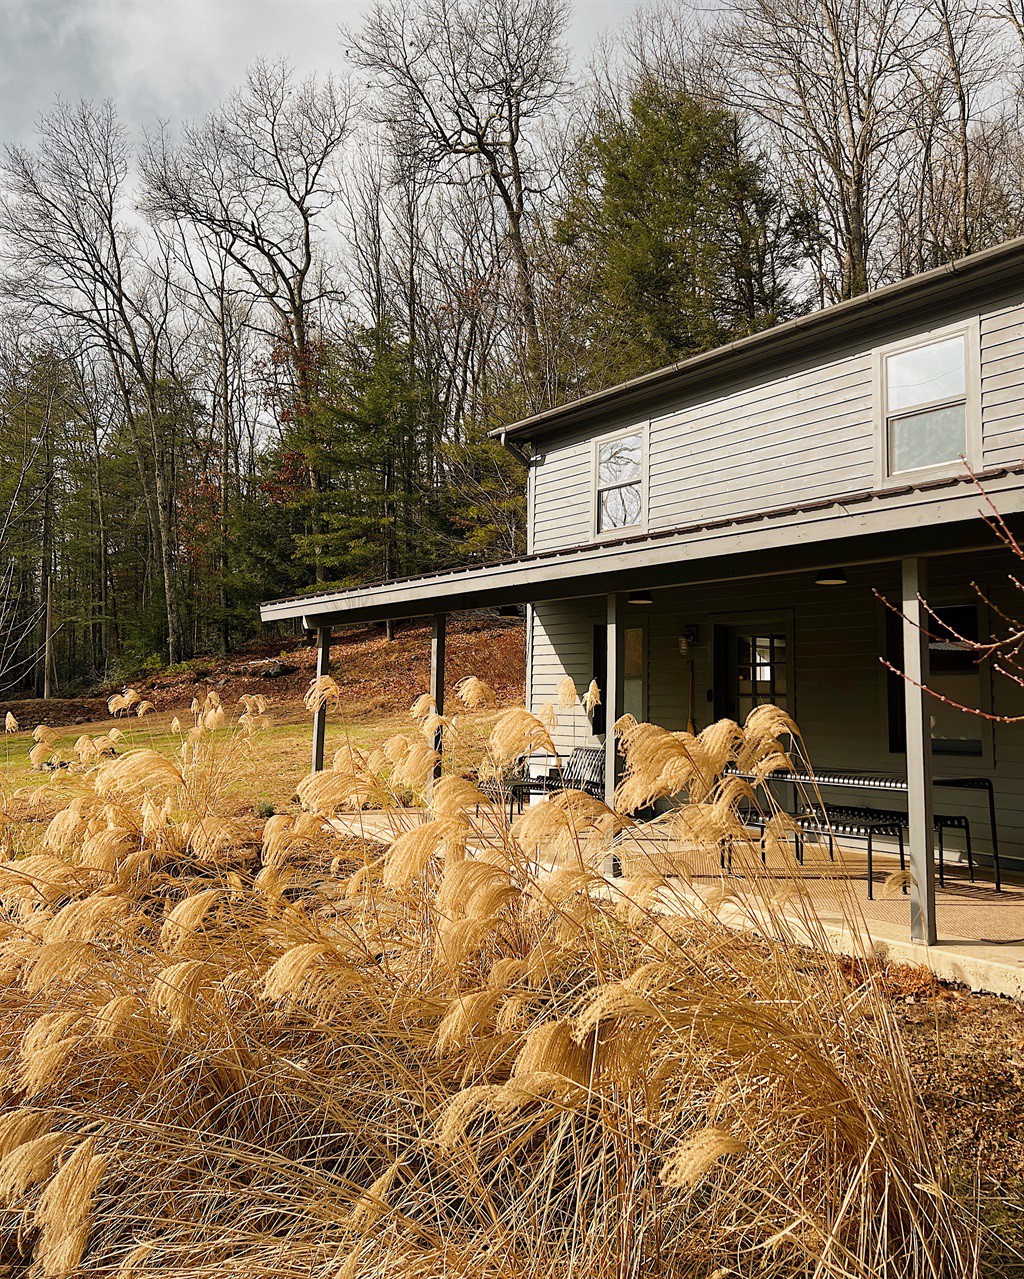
{"x":681,"y":240}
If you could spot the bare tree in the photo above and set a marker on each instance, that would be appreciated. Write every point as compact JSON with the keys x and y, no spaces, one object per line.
{"x":466,"y":86}
{"x":73,"y":253}
{"x":952,"y":203}
{"x":256,"y":179}
{"x":95,"y":403}
{"x":1012,"y":12}
{"x":831,"y":81}
{"x":219,"y":311}
{"x":21,"y":445}
{"x":661,"y":44}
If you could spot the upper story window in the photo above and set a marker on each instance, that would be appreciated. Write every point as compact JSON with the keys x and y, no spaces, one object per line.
{"x":619,"y":485}
{"x":925,"y":402}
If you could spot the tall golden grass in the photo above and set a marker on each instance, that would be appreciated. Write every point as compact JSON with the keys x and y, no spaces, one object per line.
{"x":456,"y":1050}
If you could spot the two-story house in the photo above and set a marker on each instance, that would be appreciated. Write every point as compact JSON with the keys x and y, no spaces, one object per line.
{"x":726,"y":531}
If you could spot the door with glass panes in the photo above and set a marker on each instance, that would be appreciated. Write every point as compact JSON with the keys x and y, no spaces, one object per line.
{"x":752,"y":669}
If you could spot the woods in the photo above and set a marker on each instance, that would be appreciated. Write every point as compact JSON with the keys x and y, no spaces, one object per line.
{"x":262,"y":351}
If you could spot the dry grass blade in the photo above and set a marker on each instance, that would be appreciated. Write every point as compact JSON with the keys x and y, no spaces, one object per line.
{"x":566,"y":694}
{"x":896,"y":884}
{"x":474,"y":693}
{"x":695,"y":1158}
{"x":323,"y":691}
{"x":136,"y":772}
{"x":187,"y":916}
{"x":30,"y":1163}
{"x":517,"y":732}
{"x":63,"y":1216}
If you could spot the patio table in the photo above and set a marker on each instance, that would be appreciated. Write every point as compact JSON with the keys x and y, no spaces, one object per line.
{"x":889,"y":782}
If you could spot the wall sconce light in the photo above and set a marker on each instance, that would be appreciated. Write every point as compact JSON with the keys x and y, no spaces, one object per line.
{"x":831,"y":577}
{"x":640,"y":599}
{"x":687,"y":640}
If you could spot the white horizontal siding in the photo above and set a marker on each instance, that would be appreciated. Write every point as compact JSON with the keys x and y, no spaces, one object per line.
{"x":563,"y":645}
{"x":1002,"y":386}
{"x":563,"y":501}
{"x":783,"y":441}
{"x":805,"y":434}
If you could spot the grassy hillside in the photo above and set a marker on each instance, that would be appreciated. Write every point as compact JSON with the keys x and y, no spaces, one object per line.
{"x":380,"y":680}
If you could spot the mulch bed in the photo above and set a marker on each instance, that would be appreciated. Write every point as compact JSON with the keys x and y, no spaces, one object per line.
{"x":58,"y":712}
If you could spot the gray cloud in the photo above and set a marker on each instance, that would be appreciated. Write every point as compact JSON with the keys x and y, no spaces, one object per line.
{"x":174,"y":59}
{"x":155,"y":58}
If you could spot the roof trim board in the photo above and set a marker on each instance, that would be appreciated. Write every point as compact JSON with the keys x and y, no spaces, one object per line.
{"x":996,"y":270}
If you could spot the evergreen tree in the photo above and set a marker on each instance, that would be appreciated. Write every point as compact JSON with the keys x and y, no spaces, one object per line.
{"x":681,"y":242}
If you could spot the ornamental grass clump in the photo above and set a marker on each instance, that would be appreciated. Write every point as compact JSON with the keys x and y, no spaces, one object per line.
{"x":460,"y":1049}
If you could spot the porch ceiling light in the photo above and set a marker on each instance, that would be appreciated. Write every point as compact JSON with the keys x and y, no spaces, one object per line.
{"x":831,"y":577}
{"x":641,"y":599}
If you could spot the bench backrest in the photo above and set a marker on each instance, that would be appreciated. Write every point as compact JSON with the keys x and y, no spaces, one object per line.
{"x":584,"y":769}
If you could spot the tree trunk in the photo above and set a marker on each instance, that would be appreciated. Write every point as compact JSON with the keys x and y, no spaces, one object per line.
{"x":46,"y":564}
{"x":48,"y":640}
{"x":163,"y":491}
{"x":225,"y":460}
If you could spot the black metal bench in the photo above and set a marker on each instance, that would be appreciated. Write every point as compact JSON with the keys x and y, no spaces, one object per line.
{"x":828,"y":820}
{"x":583,"y":770}
{"x":884,"y":782}
{"x":844,"y":819}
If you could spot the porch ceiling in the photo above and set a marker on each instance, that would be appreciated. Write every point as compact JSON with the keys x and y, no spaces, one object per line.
{"x":925,"y":519}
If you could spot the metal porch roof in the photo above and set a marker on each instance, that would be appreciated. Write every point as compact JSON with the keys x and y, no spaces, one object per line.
{"x":925,"y":518}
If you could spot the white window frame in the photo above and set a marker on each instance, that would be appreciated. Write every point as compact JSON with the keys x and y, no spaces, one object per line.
{"x":969,"y":331}
{"x":626,"y":530}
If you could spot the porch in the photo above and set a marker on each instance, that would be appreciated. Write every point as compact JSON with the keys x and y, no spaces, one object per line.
{"x":981,"y":932}
{"x":691,"y":625}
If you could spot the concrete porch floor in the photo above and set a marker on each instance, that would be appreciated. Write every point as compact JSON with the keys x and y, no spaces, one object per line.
{"x":981,"y":932}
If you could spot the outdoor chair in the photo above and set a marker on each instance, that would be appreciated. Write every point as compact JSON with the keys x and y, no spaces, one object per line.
{"x":583,"y":770}
{"x":505,"y":788}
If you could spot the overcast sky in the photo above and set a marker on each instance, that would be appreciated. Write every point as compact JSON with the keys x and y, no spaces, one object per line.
{"x":175,"y":58}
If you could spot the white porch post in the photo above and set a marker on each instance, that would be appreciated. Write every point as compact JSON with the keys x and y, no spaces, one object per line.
{"x":919,"y":754}
{"x":323,"y":667}
{"x":437,"y":643}
{"x":611,"y":866}
{"x":610,"y":694}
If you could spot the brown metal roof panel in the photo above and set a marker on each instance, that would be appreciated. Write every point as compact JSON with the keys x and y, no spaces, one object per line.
{"x":589,"y":553}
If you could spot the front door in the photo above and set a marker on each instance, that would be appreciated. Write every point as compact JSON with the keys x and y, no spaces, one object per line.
{"x":752,"y":668}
